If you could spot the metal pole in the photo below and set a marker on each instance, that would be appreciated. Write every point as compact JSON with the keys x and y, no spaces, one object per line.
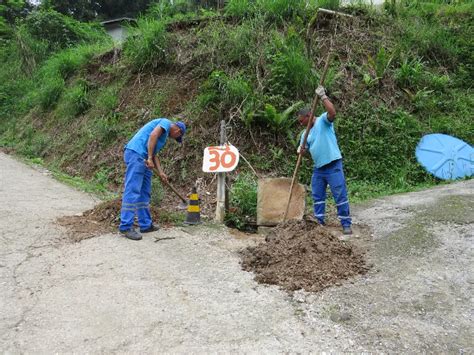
{"x":221,"y":189}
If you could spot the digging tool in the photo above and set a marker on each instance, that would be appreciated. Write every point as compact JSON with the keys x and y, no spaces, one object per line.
{"x":183,"y":204}
{"x":308,"y":127}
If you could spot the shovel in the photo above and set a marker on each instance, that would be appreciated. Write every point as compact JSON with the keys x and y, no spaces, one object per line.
{"x":308,"y":127}
{"x":183,"y":204}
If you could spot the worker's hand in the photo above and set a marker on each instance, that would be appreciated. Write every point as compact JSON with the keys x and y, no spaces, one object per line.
{"x":149,"y":163}
{"x":320,"y":91}
{"x":301,"y":150}
{"x":163,"y":176}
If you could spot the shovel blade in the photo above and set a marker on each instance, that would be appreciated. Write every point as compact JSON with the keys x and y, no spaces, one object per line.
{"x":182,"y":205}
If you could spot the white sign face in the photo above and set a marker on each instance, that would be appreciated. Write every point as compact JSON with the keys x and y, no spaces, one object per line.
{"x":220,"y":159}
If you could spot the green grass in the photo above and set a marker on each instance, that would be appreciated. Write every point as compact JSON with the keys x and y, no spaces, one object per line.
{"x":147,"y":44}
{"x":83,"y":185}
{"x":98,"y":188}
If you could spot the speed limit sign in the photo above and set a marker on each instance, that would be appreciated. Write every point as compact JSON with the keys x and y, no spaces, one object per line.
{"x":220,"y":159}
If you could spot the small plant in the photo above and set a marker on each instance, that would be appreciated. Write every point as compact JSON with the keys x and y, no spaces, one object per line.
{"x":423,"y":99}
{"x":410,"y":74}
{"x":107,"y":128}
{"x":223,"y":91}
{"x":369,"y":80}
{"x":243,"y":201}
{"x":77,"y":98}
{"x":101,"y":177}
{"x":107,"y":99}
{"x":280,"y":122}
{"x":439,"y":82}
{"x":379,"y":64}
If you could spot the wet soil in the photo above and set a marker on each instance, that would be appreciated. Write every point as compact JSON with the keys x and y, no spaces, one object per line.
{"x":303,"y":255}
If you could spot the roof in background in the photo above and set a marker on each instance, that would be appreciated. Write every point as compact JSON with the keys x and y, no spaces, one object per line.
{"x":120,"y":19}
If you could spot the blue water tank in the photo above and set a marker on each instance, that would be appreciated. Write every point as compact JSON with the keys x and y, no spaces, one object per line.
{"x":445,"y":157}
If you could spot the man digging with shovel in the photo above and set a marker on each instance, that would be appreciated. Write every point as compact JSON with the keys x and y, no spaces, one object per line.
{"x":322,"y":145}
{"x":140,"y":158}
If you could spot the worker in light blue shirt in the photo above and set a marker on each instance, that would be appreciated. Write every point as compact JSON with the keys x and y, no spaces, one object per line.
{"x":140,"y":156}
{"x":328,"y":169}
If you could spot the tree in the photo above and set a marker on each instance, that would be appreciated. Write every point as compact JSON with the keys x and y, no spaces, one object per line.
{"x":82,"y":10}
{"x":86,"y":10}
{"x":120,"y":8}
{"x":11,"y":10}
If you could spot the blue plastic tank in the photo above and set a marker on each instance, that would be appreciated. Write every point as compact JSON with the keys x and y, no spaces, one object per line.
{"x":445,"y":157}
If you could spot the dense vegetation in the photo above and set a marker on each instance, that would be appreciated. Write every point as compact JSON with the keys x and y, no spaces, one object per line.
{"x":71,"y":100}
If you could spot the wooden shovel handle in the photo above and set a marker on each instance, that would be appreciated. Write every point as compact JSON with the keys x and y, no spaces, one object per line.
{"x":171,"y":187}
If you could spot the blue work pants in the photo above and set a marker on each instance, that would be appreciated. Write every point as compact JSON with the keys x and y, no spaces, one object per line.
{"x":333,"y":175}
{"x":136,"y":192}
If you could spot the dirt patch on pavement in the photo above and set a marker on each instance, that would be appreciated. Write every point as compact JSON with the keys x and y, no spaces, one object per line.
{"x":105,"y":218}
{"x":303,"y":255}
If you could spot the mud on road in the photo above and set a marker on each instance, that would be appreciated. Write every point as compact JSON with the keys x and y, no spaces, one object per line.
{"x":303,"y":255}
{"x":188,"y":293}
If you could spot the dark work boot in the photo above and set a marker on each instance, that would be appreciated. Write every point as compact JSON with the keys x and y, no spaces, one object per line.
{"x":131,"y":234}
{"x":152,"y":228}
{"x":347,"y":230}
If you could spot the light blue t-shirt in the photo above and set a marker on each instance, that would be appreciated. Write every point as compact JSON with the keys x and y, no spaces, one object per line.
{"x":322,"y":142}
{"x":139,"y":142}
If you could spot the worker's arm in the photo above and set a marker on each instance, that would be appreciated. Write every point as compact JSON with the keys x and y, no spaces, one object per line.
{"x":329,"y":109}
{"x":161,"y":173}
{"x":321,"y":92}
{"x":152,"y":140}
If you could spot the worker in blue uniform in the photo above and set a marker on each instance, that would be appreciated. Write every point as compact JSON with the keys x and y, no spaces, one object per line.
{"x":328,"y":168}
{"x":140,"y":156}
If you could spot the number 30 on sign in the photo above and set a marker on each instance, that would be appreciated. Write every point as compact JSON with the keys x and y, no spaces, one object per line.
{"x":220,"y":159}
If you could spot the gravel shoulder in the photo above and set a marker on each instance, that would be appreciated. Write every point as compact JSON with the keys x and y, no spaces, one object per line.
{"x":188,"y":293}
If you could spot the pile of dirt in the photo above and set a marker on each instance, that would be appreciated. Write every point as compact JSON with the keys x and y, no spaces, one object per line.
{"x":104,"y":218}
{"x":303,"y":255}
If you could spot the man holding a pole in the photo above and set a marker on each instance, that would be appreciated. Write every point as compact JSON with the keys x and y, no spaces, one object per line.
{"x":140,"y":156}
{"x":328,"y":170}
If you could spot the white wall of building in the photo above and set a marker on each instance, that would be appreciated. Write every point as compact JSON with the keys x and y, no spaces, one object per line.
{"x":117,"y":32}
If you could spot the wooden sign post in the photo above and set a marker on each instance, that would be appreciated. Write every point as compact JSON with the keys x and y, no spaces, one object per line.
{"x":221,"y":159}
{"x":220,"y":207}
